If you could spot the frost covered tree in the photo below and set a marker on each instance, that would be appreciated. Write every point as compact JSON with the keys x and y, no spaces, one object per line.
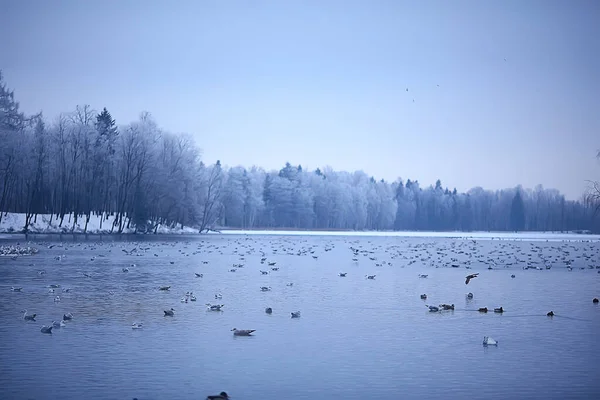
{"x":141,"y":176}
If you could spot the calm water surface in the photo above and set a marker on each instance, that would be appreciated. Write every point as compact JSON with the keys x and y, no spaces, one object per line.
{"x":357,"y":338}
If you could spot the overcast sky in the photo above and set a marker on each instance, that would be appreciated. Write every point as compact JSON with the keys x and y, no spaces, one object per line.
{"x":499,"y":92}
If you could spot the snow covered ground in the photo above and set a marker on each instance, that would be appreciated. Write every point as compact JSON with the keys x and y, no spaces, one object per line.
{"x":550,"y":236}
{"x":14,"y":223}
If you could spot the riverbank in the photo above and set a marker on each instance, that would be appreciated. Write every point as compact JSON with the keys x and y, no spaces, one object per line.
{"x":98,"y":224}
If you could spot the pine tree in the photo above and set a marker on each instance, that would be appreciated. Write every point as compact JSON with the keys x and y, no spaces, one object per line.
{"x":107,"y":131}
{"x":517,"y":213}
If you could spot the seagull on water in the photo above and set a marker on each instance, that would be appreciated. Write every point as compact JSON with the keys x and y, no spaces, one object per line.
{"x":242,"y":332}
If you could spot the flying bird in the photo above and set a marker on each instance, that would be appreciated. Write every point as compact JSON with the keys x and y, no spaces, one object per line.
{"x":469,"y":277}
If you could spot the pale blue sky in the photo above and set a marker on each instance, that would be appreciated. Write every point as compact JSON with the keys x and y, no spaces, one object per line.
{"x":324,"y":82}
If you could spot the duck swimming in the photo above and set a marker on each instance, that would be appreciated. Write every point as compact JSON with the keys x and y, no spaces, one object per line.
{"x":58,"y":324}
{"x":269,"y":310}
{"x":296,"y":314}
{"x":169,"y":313}
{"x":220,"y":396}
{"x":499,"y":310}
{"x":483,"y":309}
{"x":46,"y":329}
{"x":28,"y":317}
{"x":550,"y":314}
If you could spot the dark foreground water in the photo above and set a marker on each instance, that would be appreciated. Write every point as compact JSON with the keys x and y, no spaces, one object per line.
{"x":356,"y":338}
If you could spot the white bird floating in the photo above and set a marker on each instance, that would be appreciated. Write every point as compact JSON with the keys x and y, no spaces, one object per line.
{"x":488,"y":341}
{"x":136,"y":325}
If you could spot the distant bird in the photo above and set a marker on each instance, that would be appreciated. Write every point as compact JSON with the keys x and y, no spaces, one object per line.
{"x":447,"y":306}
{"x":265,"y":288}
{"x":46,"y":329}
{"x":423,"y":297}
{"x":242,"y":332}
{"x":16,"y":289}
{"x":269,"y":310}
{"x":512,"y":276}
{"x":488,"y":341}
{"x":220,"y":396}
{"x":432,"y":308}
{"x":469,"y":295}
{"x":198,"y":275}
{"x":296,"y":314}
{"x":136,"y":325}
{"x":595,"y":301}
{"x":215,"y":307}
{"x":550,"y":314}
{"x":343,"y":274}
{"x":499,"y":310}
{"x":370,"y":276}
{"x":164,"y":288}
{"x":169,"y":313}
{"x":483,"y":309}
{"x":469,"y":277}
{"x":67,"y":317}
{"x":423,"y":275}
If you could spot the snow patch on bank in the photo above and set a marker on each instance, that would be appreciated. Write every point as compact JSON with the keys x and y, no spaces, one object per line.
{"x":46,"y":223}
{"x":537,"y":236}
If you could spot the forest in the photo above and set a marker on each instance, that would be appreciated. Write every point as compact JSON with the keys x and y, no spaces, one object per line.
{"x":83,"y":163}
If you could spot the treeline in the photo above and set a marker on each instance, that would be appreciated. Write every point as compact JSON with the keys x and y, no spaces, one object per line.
{"x":83,"y":163}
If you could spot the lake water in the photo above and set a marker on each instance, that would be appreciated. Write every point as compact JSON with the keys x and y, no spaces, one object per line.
{"x":356,"y":338}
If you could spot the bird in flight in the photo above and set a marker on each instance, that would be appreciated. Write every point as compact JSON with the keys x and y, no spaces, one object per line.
{"x":469,"y":277}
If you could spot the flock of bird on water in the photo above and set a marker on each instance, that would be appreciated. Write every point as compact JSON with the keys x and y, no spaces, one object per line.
{"x":542,"y":262}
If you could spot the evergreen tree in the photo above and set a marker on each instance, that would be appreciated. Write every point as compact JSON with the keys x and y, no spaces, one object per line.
{"x":107,"y":131}
{"x":517,"y":213}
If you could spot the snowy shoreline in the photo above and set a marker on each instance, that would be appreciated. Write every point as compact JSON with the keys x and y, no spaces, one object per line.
{"x":12,"y":225}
